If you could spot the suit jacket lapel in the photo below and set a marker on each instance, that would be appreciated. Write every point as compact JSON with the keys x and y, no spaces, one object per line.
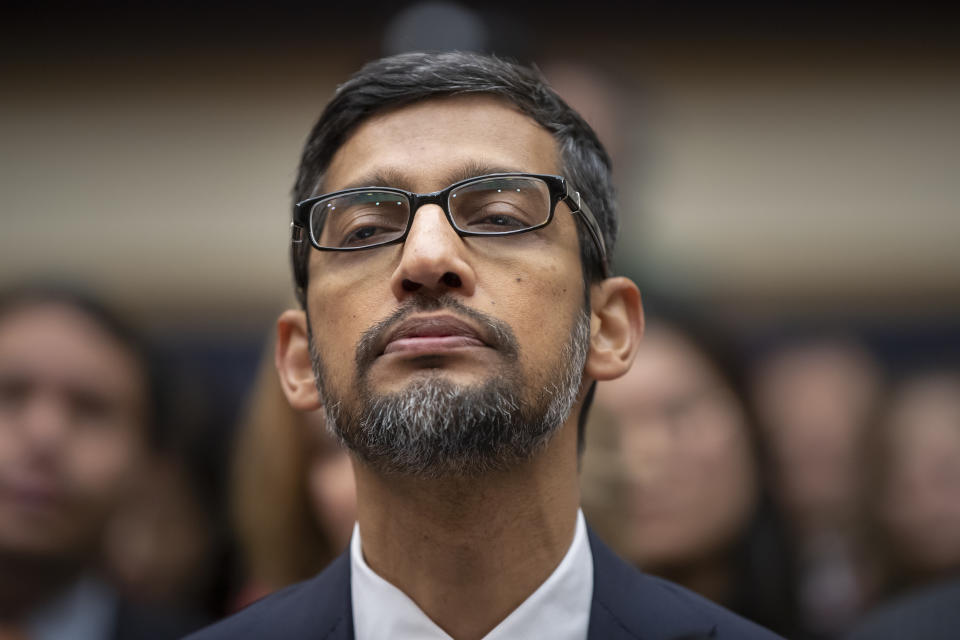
{"x":317,"y":609}
{"x":332,"y":603}
{"x":628,"y":604}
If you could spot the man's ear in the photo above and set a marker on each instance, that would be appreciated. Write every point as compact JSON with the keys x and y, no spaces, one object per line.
{"x":616,"y":326}
{"x":293,"y":362}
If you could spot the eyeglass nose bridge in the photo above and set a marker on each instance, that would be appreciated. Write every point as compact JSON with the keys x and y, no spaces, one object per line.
{"x":439,"y":198}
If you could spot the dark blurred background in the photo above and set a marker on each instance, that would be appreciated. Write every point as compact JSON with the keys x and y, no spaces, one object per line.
{"x":791,"y":160}
{"x":789,"y":169}
{"x":783,"y":160}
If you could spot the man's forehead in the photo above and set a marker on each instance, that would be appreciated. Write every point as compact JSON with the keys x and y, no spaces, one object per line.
{"x":432,"y":143}
{"x":406,"y":178}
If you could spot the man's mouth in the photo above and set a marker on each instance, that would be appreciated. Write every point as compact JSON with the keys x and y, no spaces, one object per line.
{"x":432,"y":334}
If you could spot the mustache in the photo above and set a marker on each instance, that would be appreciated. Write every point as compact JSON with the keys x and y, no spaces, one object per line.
{"x":496,"y":333}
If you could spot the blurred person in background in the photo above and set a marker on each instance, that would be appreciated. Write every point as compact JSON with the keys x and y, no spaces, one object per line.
{"x":78,"y":416}
{"x":673,"y":473}
{"x":913,"y":499}
{"x":170,"y":543}
{"x":293,"y":494}
{"x":816,"y":396}
{"x":161,"y":544}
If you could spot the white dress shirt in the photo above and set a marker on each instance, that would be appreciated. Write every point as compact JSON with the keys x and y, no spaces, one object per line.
{"x":559,"y":609}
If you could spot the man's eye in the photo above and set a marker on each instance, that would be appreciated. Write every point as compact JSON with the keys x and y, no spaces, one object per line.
{"x":362,"y":234}
{"x":366,"y":235}
{"x":487,"y":220}
{"x":369,"y":223}
{"x":501,"y":220}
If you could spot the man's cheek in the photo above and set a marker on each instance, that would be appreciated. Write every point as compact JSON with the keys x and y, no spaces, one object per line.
{"x":337,"y":358}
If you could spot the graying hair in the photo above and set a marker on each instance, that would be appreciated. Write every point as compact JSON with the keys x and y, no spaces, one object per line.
{"x":434,"y":428}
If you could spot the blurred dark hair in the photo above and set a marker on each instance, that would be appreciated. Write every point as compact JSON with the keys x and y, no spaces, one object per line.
{"x":62,"y":294}
{"x":402,"y":79}
{"x":764,"y":586}
{"x":717,"y":346}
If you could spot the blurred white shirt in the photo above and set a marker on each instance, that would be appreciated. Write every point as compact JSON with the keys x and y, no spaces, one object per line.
{"x":84,"y":611}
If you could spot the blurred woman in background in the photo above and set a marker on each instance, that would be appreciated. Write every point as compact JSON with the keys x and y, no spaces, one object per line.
{"x":817,"y":391}
{"x":672,"y":471}
{"x":294,"y":499}
{"x":913,"y":507}
{"x":914,"y":481}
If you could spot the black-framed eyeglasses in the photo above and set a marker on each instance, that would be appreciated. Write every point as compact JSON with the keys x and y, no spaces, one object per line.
{"x":499,"y":204}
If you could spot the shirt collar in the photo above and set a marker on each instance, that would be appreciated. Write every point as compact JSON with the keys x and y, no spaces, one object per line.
{"x":559,"y":608}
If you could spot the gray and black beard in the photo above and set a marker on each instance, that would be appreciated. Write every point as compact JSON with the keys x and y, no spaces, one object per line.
{"x":435,"y":428}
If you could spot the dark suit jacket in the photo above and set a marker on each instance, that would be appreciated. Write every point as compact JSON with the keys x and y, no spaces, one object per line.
{"x":626,"y":605}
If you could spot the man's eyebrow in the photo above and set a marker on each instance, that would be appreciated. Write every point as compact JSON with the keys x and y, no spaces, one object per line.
{"x":379,"y":178}
{"x":401,"y":180}
{"x":474,"y":169}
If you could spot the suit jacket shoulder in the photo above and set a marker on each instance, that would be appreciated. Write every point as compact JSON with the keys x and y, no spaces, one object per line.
{"x":628,"y":604}
{"x":319,"y":608}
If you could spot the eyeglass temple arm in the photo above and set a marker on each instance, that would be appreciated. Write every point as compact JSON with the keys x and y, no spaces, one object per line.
{"x":296,"y":232}
{"x":581,"y":208}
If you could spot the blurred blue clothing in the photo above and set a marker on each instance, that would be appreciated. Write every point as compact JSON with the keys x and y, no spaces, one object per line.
{"x":932,"y":613}
{"x":84,"y":611}
{"x":90,"y":609}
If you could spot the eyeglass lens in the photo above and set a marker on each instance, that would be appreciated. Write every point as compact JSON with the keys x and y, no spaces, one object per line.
{"x":489,"y":206}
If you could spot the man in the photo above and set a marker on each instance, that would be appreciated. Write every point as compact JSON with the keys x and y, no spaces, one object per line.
{"x":450,"y":254}
{"x":76,"y":403}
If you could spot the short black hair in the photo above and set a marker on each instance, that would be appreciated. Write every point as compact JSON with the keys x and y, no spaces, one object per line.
{"x":50,"y":292}
{"x":409,"y":77}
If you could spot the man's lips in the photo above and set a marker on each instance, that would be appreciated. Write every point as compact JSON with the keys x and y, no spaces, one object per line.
{"x":432,"y":334}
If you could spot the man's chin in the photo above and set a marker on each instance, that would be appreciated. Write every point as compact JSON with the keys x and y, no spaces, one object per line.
{"x":466,"y":417}
{"x":434,"y":427}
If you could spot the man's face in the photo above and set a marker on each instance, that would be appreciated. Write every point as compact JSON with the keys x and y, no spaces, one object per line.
{"x":441,"y":311}
{"x":71,"y":427}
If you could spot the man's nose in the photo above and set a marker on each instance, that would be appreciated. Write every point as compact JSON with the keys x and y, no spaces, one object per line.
{"x":434,"y":257}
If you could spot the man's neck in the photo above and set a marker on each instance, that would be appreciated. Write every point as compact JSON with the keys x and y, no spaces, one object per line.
{"x":468,"y":551}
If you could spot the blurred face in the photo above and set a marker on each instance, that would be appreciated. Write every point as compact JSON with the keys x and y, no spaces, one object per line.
{"x":922,"y":497}
{"x":814,"y":402}
{"x":71,"y":422}
{"x":438,"y":354}
{"x":689,"y":471}
{"x":159,"y":545}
